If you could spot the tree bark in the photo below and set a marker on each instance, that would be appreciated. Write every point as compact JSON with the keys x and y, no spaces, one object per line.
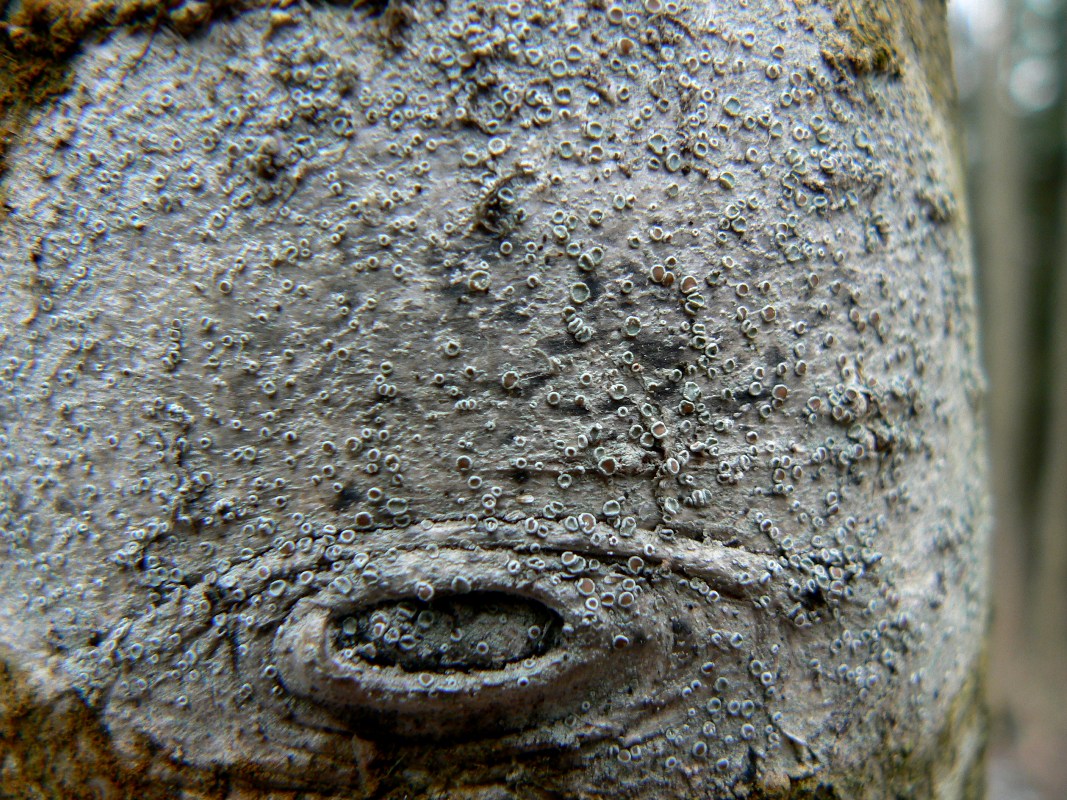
{"x":489,"y":400}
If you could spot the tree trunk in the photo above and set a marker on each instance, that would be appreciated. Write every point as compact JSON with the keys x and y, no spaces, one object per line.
{"x":488,"y":400}
{"x":1046,"y":722}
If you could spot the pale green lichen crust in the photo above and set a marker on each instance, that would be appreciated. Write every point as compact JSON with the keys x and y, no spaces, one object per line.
{"x":639,"y":325}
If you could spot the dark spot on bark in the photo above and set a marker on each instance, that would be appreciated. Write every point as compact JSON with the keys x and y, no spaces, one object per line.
{"x":560,"y":343}
{"x":537,"y":379}
{"x":774,"y":358}
{"x":594,"y":284}
{"x":812,"y":597}
{"x":658,"y":354}
{"x":348,"y":497}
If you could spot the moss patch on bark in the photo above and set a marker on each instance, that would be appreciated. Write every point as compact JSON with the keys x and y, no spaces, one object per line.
{"x":866,"y":36}
{"x":39,"y":36}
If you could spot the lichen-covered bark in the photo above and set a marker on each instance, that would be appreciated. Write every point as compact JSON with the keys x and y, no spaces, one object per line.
{"x":492,"y":400}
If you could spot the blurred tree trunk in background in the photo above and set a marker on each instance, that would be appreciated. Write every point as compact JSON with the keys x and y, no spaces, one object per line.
{"x":1017,"y":129}
{"x":1050,"y":599}
{"x":998,"y":206}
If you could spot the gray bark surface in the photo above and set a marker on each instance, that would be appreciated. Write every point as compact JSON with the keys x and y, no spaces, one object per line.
{"x":493,"y":400}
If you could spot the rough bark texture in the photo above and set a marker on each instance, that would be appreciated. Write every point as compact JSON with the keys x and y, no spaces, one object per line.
{"x":491,"y":400}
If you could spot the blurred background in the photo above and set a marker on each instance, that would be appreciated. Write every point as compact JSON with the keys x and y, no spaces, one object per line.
{"x":1011,"y":68}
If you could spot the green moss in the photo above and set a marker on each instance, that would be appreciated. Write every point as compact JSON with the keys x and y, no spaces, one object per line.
{"x":25,"y":81}
{"x":873,"y":36}
{"x":38,"y":38}
{"x":56,"y":746}
{"x":867,"y":35}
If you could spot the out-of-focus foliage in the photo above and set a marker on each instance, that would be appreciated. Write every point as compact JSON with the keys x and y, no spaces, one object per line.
{"x":1011,"y":62}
